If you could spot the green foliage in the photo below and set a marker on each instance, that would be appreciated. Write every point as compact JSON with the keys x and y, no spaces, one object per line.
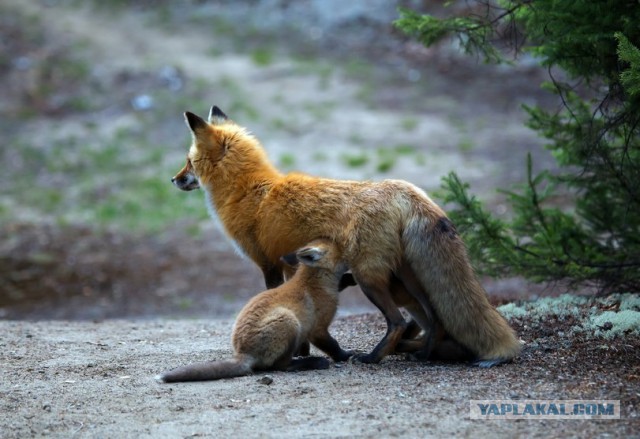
{"x":630,"y":77}
{"x":581,"y":223}
{"x":473,"y":32}
{"x":578,"y":36}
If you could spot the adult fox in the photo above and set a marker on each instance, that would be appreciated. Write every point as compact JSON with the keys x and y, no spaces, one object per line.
{"x":275,"y":324}
{"x":395,"y":239}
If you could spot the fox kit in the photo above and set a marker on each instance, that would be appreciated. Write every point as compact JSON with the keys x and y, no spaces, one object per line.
{"x":273,"y":326}
{"x":394,"y":238}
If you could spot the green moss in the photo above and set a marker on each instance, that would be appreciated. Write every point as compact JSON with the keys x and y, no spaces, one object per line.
{"x":409,"y":124}
{"x":404,"y":149}
{"x":511,"y":310}
{"x":355,"y":160}
{"x":287,"y":160}
{"x":320,"y":110}
{"x":542,"y":309}
{"x":592,"y":321}
{"x":320,"y":156}
{"x":262,"y":56}
{"x":184,"y":303}
{"x":630,"y":302}
{"x":385,"y":165}
{"x":358,"y":68}
{"x":465,"y":144}
{"x":322,"y":70}
{"x":562,"y":306}
{"x":611,"y":324}
{"x":356,"y":139}
{"x":119,"y":182}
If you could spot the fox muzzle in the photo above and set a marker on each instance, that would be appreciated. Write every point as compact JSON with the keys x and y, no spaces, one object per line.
{"x":186,"y":182}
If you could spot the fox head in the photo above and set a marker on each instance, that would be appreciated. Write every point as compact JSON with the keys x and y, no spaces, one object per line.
{"x":213,"y":141}
{"x":321,"y":254}
{"x":205,"y":145}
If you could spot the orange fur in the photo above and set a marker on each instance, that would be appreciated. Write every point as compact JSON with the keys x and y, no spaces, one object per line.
{"x":390,"y":232}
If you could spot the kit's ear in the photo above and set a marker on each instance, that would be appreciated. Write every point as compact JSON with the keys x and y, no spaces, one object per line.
{"x":310,"y":255}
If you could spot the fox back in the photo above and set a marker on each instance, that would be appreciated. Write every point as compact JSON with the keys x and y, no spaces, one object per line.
{"x":268,"y":214}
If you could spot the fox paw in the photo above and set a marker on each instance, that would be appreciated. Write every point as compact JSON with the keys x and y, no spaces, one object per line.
{"x":491,"y":363}
{"x":344,"y":356}
{"x":363,"y":358}
{"x":415,"y":357}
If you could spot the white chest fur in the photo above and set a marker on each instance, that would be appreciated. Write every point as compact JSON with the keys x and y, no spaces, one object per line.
{"x":213,"y":213}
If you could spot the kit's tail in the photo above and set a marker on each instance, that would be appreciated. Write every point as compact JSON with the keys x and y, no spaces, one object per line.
{"x":209,"y":370}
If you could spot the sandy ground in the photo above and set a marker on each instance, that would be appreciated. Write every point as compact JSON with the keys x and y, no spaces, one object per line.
{"x":96,"y":379}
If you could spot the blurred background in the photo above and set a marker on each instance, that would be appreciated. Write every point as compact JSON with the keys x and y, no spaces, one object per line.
{"x":92,"y":131}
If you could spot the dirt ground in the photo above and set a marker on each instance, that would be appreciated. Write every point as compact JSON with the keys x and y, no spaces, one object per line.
{"x":96,"y":379}
{"x":89,"y":315}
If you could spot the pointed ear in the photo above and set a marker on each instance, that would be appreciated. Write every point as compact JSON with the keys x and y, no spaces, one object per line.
{"x":310,"y":255}
{"x":194,"y":122}
{"x":216,"y":116}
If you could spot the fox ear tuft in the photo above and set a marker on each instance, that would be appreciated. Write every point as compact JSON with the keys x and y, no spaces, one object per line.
{"x":194,"y":122}
{"x":216,"y":116}
{"x":310,"y":255}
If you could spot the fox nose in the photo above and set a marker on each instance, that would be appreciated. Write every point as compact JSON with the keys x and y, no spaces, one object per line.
{"x":173,"y":179}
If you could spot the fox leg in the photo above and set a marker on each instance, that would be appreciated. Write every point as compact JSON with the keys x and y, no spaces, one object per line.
{"x":421,"y":346}
{"x":328,"y":344}
{"x":412,"y":331}
{"x":380,"y":296}
{"x":307,"y":363}
{"x":435,"y":344}
{"x":304,"y":350}
{"x":402,"y":298}
{"x":408,"y":293}
{"x":346,"y":280}
{"x":287,"y":363}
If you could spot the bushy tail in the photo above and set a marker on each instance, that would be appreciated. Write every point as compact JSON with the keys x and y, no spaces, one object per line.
{"x":439,"y":259}
{"x":209,"y":370}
